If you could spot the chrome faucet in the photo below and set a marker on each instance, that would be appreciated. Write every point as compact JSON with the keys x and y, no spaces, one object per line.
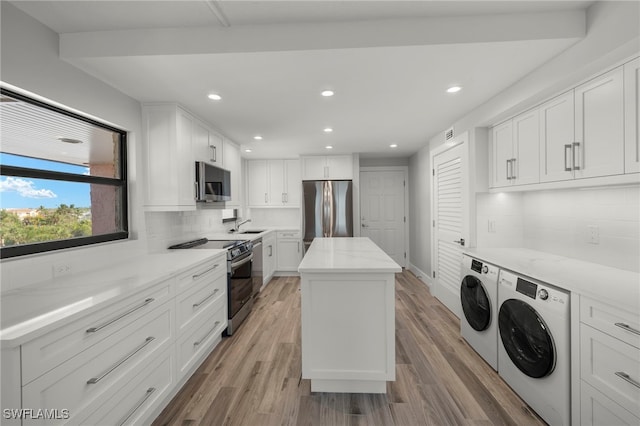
{"x":239,"y":224}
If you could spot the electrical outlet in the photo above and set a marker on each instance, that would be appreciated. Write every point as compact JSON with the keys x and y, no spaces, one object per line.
{"x":61,"y":270}
{"x":593,"y":234}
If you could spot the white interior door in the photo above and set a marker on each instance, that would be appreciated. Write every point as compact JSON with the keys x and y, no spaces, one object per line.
{"x":382,"y":211}
{"x":450,"y":215}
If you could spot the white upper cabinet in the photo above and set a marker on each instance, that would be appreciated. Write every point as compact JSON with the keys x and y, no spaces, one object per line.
{"x":207,"y":144}
{"x":589,"y":132}
{"x":631,"y":117}
{"x":556,"y":138}
{"x":336,"y":167}
{"x":599,"y":123}
{"x":515,"y":151}
{"x":233,"y":162}
{"x":273,"y":183}
{"x":502,"y":153}
{"x":168,"y":158}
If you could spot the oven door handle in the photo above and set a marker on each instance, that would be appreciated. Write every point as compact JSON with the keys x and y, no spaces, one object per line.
{"x":241,"y":262}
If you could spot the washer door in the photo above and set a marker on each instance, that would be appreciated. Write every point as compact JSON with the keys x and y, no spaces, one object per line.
{"x":526,"y":338}
{"x":475,"y":303}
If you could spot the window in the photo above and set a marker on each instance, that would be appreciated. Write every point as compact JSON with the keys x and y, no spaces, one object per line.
{"x":62,"y":178}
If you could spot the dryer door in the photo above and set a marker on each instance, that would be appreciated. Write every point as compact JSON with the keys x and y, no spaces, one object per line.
{"x":526,"y":338}
{"x":475,"y":303}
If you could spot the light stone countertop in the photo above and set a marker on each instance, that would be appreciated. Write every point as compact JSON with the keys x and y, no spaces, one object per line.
{"x":611,"y":285}
{"x":346,"y":255}
{"x":31,"y":311}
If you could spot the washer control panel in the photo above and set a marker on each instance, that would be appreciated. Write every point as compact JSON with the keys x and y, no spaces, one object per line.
{"x":551,"y":296}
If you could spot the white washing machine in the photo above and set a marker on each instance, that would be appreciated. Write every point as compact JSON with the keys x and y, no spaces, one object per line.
{"x":534,"y":347}
{"x":479,"y":299}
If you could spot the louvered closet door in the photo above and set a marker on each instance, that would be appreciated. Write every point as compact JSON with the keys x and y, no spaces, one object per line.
{"x":450,"y":212}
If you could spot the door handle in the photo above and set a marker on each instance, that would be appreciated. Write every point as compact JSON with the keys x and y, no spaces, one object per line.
{"x":460,"y":241}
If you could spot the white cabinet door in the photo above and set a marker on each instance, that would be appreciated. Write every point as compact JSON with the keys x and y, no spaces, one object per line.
{"x":502,"y":152}
{"x":293,"y":183}
{"x":599,"y":121}
{"x":257,"y":183}
{"x":216,"y":142}
{"x":314,"y":168}
{"x":289,"y":254}
{"x":526,"y":141}
{"x":631,"y":119}
{"x":201,"y":147}
{"x":556,"y":138}
{"x":233,"y":163}
{"x":340,"y":167}
{"x":269,"y":256}
{"x":276,"y":182}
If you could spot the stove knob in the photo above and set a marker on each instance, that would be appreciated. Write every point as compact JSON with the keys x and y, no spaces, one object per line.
{"x":485,"y":269}
{"x":543,"y":294}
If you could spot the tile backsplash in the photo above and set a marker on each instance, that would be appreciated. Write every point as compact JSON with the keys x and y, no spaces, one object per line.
{"x":600,"y":225}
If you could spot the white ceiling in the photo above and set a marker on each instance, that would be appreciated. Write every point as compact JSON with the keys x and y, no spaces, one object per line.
{"x":389,"y":62}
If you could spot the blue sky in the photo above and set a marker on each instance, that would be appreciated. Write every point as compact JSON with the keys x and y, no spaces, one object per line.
{"x":16,"y":192}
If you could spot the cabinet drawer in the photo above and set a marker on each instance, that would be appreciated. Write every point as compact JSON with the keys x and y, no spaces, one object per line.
{"x":206,"y":271}
{"x":191,"y":305}
{"x":138,"y":398}
{"x":289,"y":235}
{"x":619,"y":323}
{"x":611,"y":366}
{"x":86,"y":377}
{"x":598,"y":410}
{"x":193,"y":345}
{"x":46,"y":352}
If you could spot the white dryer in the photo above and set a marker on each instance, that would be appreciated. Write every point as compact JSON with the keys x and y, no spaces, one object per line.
{"x":479,"y":299}
{"x":534,"y":348}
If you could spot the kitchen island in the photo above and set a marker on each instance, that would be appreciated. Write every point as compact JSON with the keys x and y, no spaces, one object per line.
{"x":348,"y":316}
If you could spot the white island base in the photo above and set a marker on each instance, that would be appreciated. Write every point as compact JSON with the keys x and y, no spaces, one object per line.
{"x":348,"y":316}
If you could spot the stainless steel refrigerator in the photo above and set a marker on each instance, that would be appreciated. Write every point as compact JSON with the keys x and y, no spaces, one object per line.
{"x":327,"y":209}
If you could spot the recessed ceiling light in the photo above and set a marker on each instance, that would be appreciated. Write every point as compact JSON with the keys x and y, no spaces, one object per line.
{"x":247,"y":150}
{"x":214,"y":97}
{"x":393,"y":145}
{"x":69,"y":140}
{"x":327,"y":93}
{"x":328,"y":147}
{"x":258,"y":137}
{"x":454,"y":89}
{"x":328,"y":130}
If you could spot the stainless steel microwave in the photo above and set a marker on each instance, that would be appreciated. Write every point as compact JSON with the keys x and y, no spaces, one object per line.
{"x":212,"y":183}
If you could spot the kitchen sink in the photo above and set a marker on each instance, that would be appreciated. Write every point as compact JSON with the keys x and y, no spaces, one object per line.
{"x":253,"y":231}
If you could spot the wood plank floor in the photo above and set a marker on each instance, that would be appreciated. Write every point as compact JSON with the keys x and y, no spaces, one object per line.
{"x":253,"y":377}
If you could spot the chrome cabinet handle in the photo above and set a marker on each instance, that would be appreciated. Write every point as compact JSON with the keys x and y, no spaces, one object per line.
{"x":567,"y":147}
{"x":138,"y":405}
{"x":195,"y":197}
{"x":624,"y":376}
{"x":508,"y":174}
{"x":196,"y":276}
{"x":124,"y":314}
{"x":94,"y":380}
{"x":627,"y":328}
{"x":575,"y":146}
{"x":215,"y":325}
{"x":513,"y":168}
{"x":197,"y":305}
{"x":286,"y":197}
{"x":265,"y":198}
{"x":270,"y":251}
{"x":214,"y":156}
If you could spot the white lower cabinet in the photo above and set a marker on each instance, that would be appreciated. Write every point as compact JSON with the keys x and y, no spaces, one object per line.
{"x":269,"y":256}
{"x":289,"y":251}
{"x":609,"y":369}
{"x":122,"y":363}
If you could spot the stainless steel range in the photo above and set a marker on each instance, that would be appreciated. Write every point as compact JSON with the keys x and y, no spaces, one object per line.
{"x":239,"y":275}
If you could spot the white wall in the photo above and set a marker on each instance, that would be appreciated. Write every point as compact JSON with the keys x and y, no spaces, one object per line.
{"x":612,"y":36}
{"x":29,"y":61}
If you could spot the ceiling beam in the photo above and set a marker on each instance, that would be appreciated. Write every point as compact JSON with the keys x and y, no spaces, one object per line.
{"x":315,"y":36}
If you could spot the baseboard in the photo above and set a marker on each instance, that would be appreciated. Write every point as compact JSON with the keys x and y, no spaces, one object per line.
{"x":422,"y":276}
{"x":286,"y":274}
